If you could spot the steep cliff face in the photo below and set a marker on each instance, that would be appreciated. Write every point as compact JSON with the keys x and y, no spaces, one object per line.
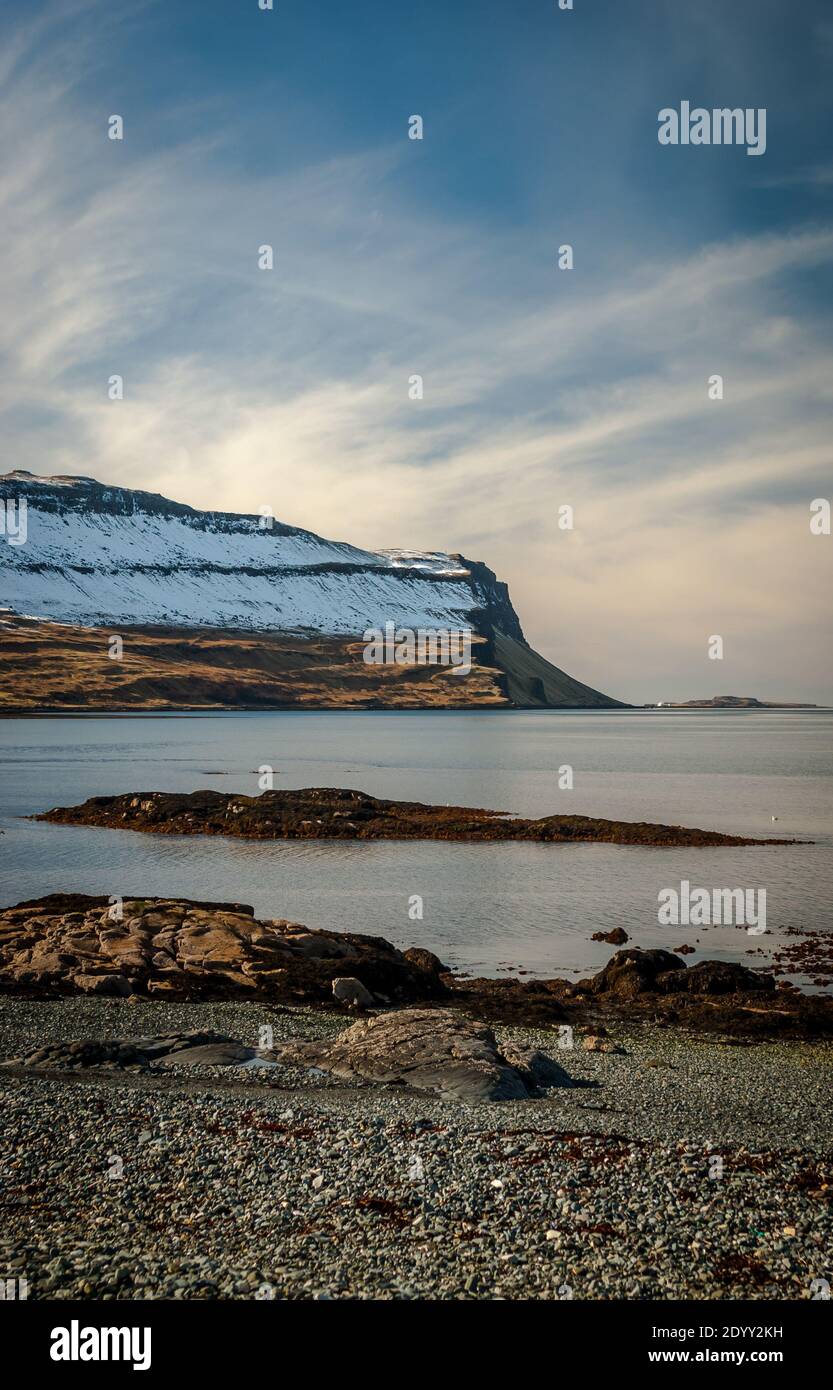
{"x":98,"y":557}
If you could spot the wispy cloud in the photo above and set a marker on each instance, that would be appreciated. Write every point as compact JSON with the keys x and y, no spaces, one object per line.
{"x":813,"y":176}
{"x":290,"y":387}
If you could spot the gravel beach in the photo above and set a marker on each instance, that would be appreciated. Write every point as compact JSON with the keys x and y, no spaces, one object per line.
{"x":694,"y":1168}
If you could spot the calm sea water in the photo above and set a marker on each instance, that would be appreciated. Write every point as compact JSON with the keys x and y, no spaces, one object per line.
{"x":487,"y":908}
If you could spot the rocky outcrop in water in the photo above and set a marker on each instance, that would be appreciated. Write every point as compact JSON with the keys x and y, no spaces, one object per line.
{"x":316,"y":813}
{"x":634,"y":972}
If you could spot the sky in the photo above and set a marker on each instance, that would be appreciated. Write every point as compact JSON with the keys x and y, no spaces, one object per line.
{"x":542,"y":387}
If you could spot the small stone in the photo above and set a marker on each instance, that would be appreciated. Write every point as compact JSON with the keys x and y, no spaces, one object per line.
{"x":594,"y":1043}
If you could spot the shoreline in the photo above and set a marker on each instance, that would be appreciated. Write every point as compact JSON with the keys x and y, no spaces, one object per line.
{"x":186,"y":711}
{"x":166,"y":949}
{"x":686,"y":1154}
{"x":253,"y":1191}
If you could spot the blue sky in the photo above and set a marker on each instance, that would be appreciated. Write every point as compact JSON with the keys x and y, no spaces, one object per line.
{"x":394,"y":257}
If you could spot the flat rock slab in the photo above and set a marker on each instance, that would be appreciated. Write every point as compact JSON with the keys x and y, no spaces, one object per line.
{"x":114,"y":1054}
{"x":227,"y":1053}
{"x":430,"y":1050}
{"x":433,"y":1050}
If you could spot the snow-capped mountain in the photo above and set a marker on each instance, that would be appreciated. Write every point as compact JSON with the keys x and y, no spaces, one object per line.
{"x":219,"y":610}
{"x":108,"y":555}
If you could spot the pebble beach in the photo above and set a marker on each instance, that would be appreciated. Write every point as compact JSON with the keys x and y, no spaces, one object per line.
{"x":694,"y":1167}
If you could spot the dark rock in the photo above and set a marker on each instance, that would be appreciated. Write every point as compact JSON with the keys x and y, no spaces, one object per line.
{"x":217,"y":1054}
{"x":629,"y":973}
{"x":173,"y":1049}
{"x":110,"y":1053}
{"x":634,"y":972}
{"x":714,"y":977}
{"x":617,"y":937}
{"x":425,"y":960}
{"x":320,"y":813}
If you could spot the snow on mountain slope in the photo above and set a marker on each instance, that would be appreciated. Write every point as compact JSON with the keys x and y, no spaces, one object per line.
{"x":105,"y":555}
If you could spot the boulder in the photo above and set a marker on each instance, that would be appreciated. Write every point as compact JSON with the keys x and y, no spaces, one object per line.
{"x":629,"y":973}
{"x":715,"y":977}
{"x":434,"y":1050}
{"x":634,"y":972}
{"x":352,"y":993}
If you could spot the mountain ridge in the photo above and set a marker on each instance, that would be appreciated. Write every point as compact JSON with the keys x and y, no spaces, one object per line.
{"x":98,"y":556}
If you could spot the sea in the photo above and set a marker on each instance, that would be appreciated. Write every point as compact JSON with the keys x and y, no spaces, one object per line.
{"x":484,"y":909}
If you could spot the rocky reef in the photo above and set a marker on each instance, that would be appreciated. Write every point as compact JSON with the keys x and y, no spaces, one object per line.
{"x":315,"y":813}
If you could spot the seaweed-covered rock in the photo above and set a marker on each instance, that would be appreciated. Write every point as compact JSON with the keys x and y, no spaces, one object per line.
{"x":319,"y":813}
{"x":631,"y":972}
{"x":715,"y":977}
{"x":617,"y":937}
{"x":634,"y":972}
